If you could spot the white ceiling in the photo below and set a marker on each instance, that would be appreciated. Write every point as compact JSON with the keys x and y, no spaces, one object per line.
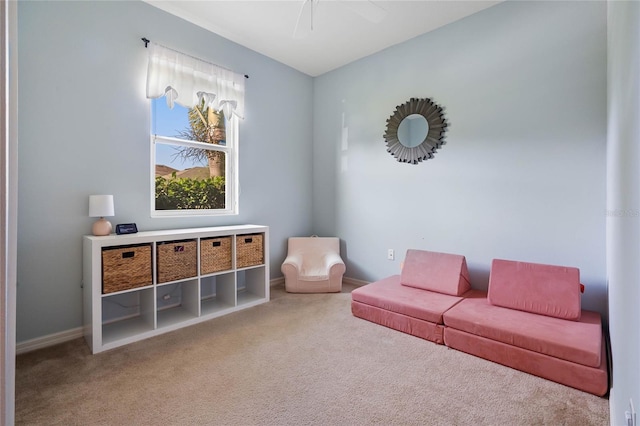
{"x":340,"y":35}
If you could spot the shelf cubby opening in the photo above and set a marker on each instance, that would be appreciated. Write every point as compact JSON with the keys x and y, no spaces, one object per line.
{"x":250,"y":285}
{"x":177,"y":302}
{"x":217,"y":293}
{"x":128,"y":314}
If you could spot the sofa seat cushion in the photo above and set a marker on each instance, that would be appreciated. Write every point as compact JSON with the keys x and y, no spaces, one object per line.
{"x":594,"y":380}
{"x":575,"y":341}
{"x":404,"y":323}
{"x":537,"y":288}
{"x":390,"y":295}
{"x":440,"y":272}
{"x":313,"y":267}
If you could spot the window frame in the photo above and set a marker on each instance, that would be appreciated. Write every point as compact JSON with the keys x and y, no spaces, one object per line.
{"x":231,"y":170}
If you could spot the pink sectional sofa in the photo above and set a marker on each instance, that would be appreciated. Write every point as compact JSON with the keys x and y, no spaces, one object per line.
{"x":530,"y":318}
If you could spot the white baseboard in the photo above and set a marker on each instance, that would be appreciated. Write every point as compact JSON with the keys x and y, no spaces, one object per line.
{"x":50,"y":340}
{"x":353,"y":281}
{"x":65,"y":336}
{"x":276,"y":282}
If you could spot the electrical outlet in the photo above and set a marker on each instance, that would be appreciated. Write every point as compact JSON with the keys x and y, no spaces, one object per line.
{"x":630,"y":415}
{"x":390,"y":254}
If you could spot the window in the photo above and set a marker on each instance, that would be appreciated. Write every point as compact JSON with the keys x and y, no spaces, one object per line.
{"x":194,"y":161}
{"x":195,"y":108}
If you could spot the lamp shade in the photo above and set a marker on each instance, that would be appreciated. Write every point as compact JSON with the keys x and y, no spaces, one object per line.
{"x":101,"y":205}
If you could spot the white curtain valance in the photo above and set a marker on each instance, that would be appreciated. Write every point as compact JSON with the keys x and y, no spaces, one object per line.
{"x":187,"y":81}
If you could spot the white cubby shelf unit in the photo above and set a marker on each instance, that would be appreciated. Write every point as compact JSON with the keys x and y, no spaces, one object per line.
{"x":123,"y":303}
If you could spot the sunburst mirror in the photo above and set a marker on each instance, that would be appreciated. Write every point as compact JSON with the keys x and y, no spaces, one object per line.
{"x":415,"y":130}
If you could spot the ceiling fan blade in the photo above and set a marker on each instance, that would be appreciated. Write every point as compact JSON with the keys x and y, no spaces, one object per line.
{"x":367,"y":9}
{"x":304,"y":24}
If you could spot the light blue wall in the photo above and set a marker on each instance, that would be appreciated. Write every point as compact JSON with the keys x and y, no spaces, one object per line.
{"x":623,"y":204}
{"x":84,"y":129}
{"x":522,"y":175}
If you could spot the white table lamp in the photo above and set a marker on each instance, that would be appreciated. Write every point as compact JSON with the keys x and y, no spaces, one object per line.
{"x":101,"y":206}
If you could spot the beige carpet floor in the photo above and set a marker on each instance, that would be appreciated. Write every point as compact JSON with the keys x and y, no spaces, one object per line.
{"x":297,"y":360}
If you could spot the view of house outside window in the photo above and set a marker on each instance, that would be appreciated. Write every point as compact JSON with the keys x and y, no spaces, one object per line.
{"x":193,"y":161}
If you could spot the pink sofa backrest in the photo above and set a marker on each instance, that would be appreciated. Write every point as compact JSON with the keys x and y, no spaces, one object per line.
{"x":537,"y":288}
{"x":439,"y":272}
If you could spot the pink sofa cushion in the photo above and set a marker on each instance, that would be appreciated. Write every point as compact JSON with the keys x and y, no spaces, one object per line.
{"x":589,"y":379}
{"x":390,"y":295}
{"x":533,"y":287}
{"x":416,"y":327}
{"x":575,"y":341}
{"x":439,"y":272}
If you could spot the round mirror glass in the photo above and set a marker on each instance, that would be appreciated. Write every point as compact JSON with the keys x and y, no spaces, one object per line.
{"x":413,"y":130}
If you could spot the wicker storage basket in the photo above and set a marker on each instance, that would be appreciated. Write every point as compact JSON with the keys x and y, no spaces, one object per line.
{"x":177,"y":260}
{"x":249,"y":250}
{"x":215,"y":254}
{"x":126,"y":267}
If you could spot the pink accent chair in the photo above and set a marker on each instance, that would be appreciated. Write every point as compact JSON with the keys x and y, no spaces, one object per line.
{"x":313,"y":265}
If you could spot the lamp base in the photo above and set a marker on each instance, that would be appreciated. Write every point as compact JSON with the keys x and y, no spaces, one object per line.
{"x":102,"y":227}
